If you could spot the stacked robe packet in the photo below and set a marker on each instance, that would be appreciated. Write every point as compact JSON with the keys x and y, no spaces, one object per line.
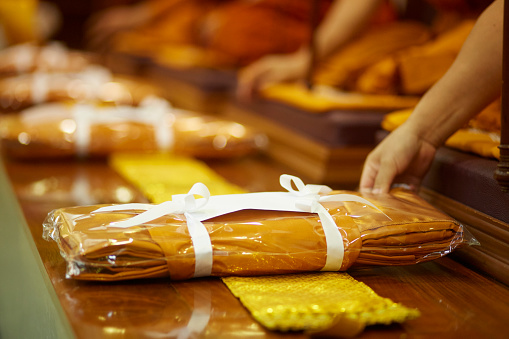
{"x":63,"y":130}
{"x":311,"y":228}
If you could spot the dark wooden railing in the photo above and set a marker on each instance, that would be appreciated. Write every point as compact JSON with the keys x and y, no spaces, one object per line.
{"x":502,"y":171}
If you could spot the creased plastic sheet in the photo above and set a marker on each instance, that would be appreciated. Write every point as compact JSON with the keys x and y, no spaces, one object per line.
{"x":402,"y":229}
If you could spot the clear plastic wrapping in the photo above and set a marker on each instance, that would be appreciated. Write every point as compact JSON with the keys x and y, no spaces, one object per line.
{"x":63,"y":130}
{"x":92,"y":83}
{"x":403,"y":229}
{"x":52,"y":57}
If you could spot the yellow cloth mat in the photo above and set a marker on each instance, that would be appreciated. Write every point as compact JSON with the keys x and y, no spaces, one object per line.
{"x":18,"y":20}
{"x":468,"y":140}
{"x":325,"y":99}
{"x":313,"y":302}
{"x":296,"y":302}
{"x":159,"y":175}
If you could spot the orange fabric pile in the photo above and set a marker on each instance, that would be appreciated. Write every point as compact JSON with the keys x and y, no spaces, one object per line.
{"x":489,"y":120}
{"x":414,"y":70}
{"x":344,"y":68}
{"x":253,"y":242}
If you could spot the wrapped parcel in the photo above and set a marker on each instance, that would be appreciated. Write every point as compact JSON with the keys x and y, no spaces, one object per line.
{"x":92,"y":83}
{"x":311,"y":229}
{"x":62,"y":130}
{"x":30,"y":57}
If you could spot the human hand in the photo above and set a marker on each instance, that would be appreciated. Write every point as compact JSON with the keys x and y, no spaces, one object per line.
{"x":401,"y":157}
{"x":103,"y":25}
{"x":272,"y":69}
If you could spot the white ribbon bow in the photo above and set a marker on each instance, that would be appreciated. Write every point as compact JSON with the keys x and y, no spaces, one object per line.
{"x":307,"y":198}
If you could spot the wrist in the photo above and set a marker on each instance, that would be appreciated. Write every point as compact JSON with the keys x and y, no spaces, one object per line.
{"x":423,"y":132}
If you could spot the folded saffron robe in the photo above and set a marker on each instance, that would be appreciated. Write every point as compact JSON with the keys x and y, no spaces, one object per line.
{"x":404,"y":230}
{"x":92,"y":83}
{"x":58,"y":130}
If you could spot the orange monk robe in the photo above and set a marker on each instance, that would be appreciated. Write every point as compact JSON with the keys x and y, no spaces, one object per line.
{"x":246,"y":31}
{"x":413,"y":70}
{"x":343,"y":68}
{"x":175,"y":22}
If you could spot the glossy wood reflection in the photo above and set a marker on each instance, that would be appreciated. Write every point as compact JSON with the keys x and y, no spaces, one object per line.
{"x":455,"y":302}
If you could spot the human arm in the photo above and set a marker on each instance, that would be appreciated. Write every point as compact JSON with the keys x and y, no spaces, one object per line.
{"x":344,"y":20}
{"x":104,"y":24}
{"x":471,"y":83}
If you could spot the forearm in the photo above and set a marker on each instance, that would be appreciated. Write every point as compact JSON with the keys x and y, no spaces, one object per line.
{"x":345,"y":19}
{"x":155,"y":8}
{"x":472,"y":82}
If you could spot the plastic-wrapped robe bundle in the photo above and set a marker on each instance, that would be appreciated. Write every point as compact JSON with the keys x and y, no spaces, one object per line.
{"x":308,"y":229}
{"x":53,"y":57}
{"x":63,"y":130}
{"x":92,"y":83}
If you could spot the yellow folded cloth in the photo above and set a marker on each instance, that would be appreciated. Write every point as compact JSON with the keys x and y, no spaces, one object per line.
{"x":159,"y":176}
{"x":325,"y":99}
{"x":18,"y":20}
{"x":316,"y":301}
{"x":466,"y":139}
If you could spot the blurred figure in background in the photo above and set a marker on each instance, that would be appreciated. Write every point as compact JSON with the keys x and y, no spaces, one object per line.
{"x":237,"y":32}
{"x":344,"y":22}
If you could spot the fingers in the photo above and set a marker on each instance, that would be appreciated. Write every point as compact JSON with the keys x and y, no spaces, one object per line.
{"x":377,"y":174}
{"x":400,"y":158}
{"x":247,"y":81}
{"x":385,"y":176}
{"x":269,"y":70}
{"x":368,"y":175}
{"x":254,"y":77}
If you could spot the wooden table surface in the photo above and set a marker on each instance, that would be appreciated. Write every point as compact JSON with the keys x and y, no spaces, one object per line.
{"x":36,"y":300}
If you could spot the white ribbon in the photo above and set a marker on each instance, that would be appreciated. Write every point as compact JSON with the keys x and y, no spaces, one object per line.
{"x":93,"y":78}
{"x":309,"y":201}
{"x":40,"y":87}
{"x":180,"y":204}
{"x":154,"y":113}
{"x":307,"y":198}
